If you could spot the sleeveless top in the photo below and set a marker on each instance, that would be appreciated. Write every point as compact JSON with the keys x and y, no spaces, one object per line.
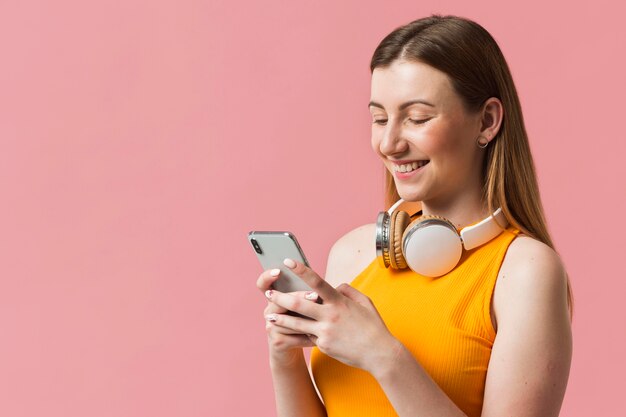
{"x":445,"y":322}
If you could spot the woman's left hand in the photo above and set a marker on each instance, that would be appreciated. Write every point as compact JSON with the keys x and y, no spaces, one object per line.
{"x":346,"y":326}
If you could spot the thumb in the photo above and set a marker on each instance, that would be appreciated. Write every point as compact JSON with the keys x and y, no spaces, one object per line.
{"x":353,"y":294}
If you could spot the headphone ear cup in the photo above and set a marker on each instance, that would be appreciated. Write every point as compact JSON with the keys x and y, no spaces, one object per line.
{"x":399,"y":221}
{"x":432,"y":246}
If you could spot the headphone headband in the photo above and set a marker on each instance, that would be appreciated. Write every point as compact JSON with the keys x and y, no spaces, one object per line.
{"x":484,"y":231}
{"x":395,"y":206}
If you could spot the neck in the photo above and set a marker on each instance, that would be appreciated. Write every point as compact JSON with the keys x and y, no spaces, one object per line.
{"x":465,"y":209}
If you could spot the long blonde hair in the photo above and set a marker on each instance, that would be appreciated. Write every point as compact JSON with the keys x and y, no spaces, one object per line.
{"x":471,"y":58}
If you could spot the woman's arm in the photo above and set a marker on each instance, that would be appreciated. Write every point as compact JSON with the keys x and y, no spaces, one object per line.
{"x":531,"y":356}
{"x":293,"y":388}
{"x":294,"y":391}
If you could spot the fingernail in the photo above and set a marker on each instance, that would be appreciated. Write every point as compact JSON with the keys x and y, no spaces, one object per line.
{"x":275,"y":272}
{"x":268,"y":293}
{"x":271,"y":317}
{"x":289,"y":263}
{"x":312,"y":295}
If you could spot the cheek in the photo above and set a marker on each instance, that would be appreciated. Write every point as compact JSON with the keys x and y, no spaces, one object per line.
{"x":445,"y":141}
{"x":434,"y":141}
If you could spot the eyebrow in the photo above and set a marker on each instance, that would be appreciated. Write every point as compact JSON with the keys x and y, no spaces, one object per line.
{"x":403,"y":105}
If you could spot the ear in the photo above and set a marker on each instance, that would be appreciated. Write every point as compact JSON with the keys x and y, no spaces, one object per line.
{"x":492,"y":114}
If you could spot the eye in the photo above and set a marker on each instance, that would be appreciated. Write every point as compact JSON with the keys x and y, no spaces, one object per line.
{"x":419,"y":121}
{"x":379,"y":121}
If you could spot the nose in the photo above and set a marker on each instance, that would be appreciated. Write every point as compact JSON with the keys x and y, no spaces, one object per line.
{"x":391,"y":142}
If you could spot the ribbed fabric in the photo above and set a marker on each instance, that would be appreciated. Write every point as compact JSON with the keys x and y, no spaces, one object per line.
{"x":444,"y":322}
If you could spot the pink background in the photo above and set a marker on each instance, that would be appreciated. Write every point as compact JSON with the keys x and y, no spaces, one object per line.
{"x":142,"y":140}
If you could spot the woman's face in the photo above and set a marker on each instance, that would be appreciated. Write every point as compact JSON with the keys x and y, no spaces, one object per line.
{"x":430,"y":145}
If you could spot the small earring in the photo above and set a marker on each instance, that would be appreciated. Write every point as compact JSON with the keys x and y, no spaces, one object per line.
{"x":480,"y":144}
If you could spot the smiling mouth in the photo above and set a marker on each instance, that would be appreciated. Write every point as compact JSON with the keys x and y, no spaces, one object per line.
{"x":411,"y":166}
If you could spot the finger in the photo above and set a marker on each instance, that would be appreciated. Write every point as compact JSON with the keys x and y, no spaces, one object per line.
{"x":273,"y":308}
{"x":285,"y":342}
{"x":354,"y":294}
{"x":299,"y":325}
{"x":317,"y":284}
{"x":269,"y":326}
{"x":267,"y":278}
{"x":298,"y":303}
{"x":303,"y":340}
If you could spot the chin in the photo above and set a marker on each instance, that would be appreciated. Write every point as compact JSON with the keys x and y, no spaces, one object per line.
{"x":410,"y":195}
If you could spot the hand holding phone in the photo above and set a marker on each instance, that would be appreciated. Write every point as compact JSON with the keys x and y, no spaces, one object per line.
{"x":271,"y":249}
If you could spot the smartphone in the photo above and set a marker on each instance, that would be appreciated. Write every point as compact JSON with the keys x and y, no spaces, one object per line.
{"x":272,"y":248}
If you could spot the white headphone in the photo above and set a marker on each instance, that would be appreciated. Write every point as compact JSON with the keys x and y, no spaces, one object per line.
{"x":429,"y":245}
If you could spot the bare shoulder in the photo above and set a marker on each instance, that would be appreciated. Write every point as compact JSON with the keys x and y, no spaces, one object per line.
{"x":350,"y":254}
{"x":530,"y":269}
{"x":525,"y":249}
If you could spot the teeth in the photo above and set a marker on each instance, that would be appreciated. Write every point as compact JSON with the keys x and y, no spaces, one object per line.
{"x":409,"y":167}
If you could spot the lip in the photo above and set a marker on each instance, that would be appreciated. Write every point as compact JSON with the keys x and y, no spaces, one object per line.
{"x":408,"y":161}
{"x":405,"y":175}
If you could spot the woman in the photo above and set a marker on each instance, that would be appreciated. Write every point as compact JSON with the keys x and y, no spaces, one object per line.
{"x":448,"y":127}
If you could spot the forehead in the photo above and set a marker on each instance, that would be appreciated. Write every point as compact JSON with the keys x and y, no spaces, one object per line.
{"x":403,"y":81}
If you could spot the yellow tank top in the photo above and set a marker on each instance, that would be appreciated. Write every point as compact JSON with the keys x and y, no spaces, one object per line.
{"x":444,"y":322}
